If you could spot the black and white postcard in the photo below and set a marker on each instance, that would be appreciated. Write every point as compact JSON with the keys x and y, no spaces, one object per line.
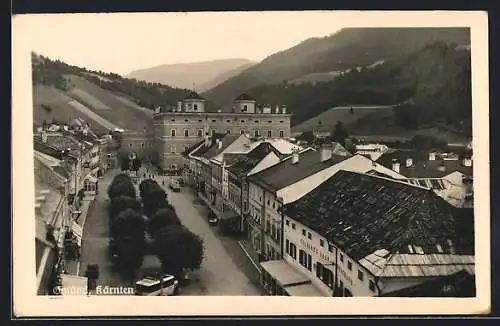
{"x":251,"y":163}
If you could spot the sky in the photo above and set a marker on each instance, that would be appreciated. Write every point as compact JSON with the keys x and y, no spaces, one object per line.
{"x":123,"y":42}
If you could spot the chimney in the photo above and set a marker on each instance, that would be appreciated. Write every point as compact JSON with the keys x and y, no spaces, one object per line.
{"x":85,"y":132}
{"x":277,"y":109}
{"x":409,"y":162}
{"x":207,"y":141}
{"x":219,"y":143}
{"x":326,"y":152}
{"x":432,"y":156}
{"x":395,"y":166}
{"x":467,"y":161}
{"x":295,"y":157}
{"x":283,"y":109}
{"x":179,"y":106}
{"x":44,"y":136}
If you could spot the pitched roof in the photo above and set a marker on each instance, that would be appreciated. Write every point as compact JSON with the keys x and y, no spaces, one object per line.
{"x":244,"y":97}
{"x":214,"y":150}
{"x":194,"y":96}
{"x":338,"y":149}
{"x":203,"y":150}
{"x":47,"y":149}
{"x":241,"y":164}
{"x":362,"y":214}
{"x":188,"y":150}
{"x":422,"y":167}
{"x":286,"y":173}
{"x":89,"y":137}
{"x":459,"y":284}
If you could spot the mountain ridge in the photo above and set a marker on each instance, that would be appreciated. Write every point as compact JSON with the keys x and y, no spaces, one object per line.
{"x":189,"y":75}
{"x":347,"y":48}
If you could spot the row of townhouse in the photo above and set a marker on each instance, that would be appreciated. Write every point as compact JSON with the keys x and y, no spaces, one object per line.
{"x":87,"y":153}
{"x":218,"y":168}
{"x":66,"y":168}
{"x":257,"y":183}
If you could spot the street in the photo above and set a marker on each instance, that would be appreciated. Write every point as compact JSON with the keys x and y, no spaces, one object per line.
{"x":96,"y":236}
{"x":225,"y":269}
{"x":219,"y":274}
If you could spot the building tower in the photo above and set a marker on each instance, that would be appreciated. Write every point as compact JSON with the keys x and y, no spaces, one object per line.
{"x":194,"y":103}
{"x":244,"y":104}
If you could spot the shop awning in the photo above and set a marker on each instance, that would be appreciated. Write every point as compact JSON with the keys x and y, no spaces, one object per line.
{"x":304,"y":290}
{"x":77,"y":231}
{"x":285,"y":274}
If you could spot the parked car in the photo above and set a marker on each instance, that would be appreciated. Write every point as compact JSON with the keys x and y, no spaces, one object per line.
{"x":163,"y":285}
{"x":212,"y":219}
{"x":174,"y":185}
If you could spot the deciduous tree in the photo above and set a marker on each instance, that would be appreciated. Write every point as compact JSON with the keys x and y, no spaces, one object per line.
{"x":164,"y":217}
{"x":120,"y":203}
{"x":178,"y":249}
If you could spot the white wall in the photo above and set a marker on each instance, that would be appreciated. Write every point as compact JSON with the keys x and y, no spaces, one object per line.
{"x":225,"y":189}
{"x":268,"y":161}
{"x":324,"y":256}
{"x":236,"y":145}
{"x":271,"y":205}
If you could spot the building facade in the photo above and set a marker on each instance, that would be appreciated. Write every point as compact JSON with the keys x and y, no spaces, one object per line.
{"x":188,"y":123}
{"x":288,"y":181}
{"x":352,"y":247}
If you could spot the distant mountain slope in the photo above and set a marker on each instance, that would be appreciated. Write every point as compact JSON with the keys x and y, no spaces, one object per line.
{"x":104,"y":100}
{"x":223,"y":77}
{"x":433,"y":86}
{"x":348,"y":48}
{"x":184,"y":75}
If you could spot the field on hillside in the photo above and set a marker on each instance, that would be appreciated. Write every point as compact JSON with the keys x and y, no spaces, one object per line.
{"x":326,"y":121}
{"x":62,"y":108}
{"x":129,"y":103}
{"x":374,"y":123}
{"x":123,"y":113}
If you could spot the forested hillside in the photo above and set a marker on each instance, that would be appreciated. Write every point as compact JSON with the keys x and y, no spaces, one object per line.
{"x":346,"y":49}
{"x":150,"y":95}
{"x":432,"y":85}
